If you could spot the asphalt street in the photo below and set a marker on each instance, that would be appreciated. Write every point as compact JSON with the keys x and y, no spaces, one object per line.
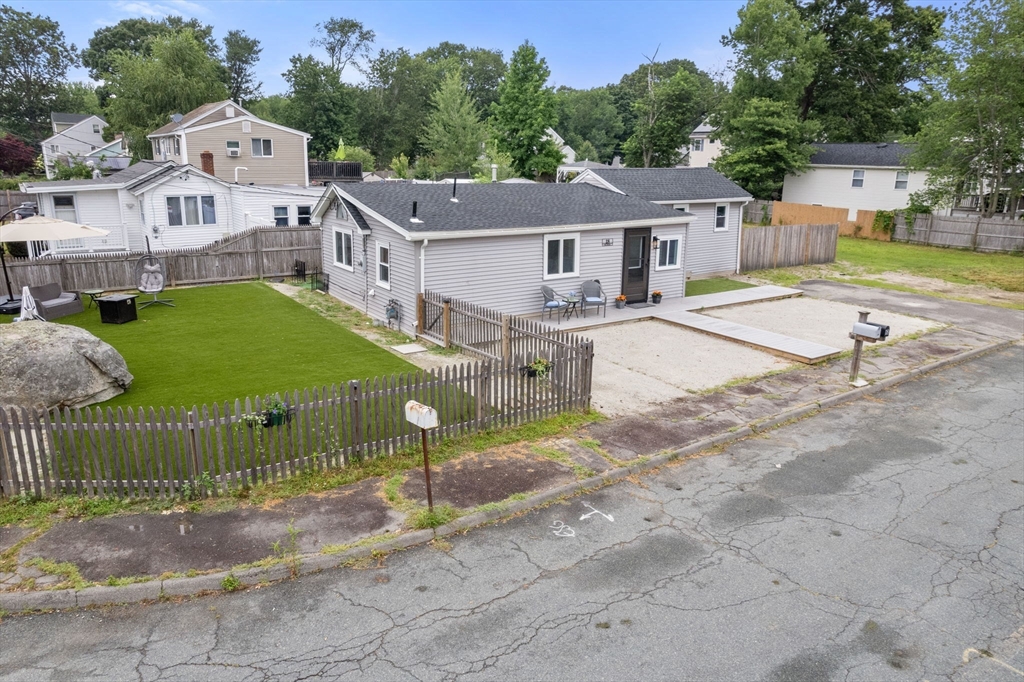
{"x":882,"y":540}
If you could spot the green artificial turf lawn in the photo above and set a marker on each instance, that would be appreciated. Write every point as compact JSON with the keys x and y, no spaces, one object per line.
{"x":699,"y":287}
{"x":233,"y":341}
{"x":1000,"y":270}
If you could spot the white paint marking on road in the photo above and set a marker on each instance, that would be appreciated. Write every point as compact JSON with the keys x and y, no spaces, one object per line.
{"x":967,"y":659}
{"x":588,"y":515}
{"x":562,"y":530}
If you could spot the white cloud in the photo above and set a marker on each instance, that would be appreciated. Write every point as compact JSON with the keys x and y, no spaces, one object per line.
{"x":149,"y":9}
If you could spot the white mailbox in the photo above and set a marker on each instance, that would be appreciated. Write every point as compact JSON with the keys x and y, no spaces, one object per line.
{"x":421,"y":415}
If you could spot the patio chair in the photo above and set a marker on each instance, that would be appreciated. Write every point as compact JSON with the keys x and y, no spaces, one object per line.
{"x":553,"y":302}
{"x":594,"y":297}
{"x":149,"y":273}
{"x":52,"y":302}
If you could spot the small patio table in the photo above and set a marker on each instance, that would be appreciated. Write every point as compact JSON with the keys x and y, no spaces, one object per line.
{"x":93,"y":294}
{"x":572,"y":307}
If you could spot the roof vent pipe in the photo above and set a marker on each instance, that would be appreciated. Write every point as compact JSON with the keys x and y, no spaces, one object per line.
{"x":494,"y":172}
{"x":455,"y":186}
{"x":414,"y":219}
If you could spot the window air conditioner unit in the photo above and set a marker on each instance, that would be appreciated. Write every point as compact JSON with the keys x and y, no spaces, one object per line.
{"x":233,"y":152}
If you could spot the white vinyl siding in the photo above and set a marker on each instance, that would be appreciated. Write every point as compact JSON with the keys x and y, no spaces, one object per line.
{"x":709,"y":252}
{"x":561,"y":255}
{"x":858,"y":179}
{"x":832,"y":187}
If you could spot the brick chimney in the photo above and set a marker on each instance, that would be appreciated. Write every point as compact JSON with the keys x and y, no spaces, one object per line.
{"x":207,"y":162}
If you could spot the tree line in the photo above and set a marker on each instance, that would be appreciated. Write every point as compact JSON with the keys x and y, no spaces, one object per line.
{"x":804,"y":71}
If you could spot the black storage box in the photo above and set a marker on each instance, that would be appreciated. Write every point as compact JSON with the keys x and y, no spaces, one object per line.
{"x":117,"y":309}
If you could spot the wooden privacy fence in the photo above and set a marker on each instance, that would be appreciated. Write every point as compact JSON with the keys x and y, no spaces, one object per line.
{"x":252,"y":254}
{"x":786,"y":213}
{"x":488,"y":333}
{"x":782,"y":246}
{"x":962,"y":232}
{"x":209,"y":451}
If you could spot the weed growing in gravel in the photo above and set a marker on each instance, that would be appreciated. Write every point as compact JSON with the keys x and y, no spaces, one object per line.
{"x":424,"y":518}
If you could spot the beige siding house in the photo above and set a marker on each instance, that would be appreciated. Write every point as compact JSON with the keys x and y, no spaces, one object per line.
{"x":244,"y":148}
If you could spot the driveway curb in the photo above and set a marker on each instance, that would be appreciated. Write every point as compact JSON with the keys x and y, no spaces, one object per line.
{"x":40,"y":600}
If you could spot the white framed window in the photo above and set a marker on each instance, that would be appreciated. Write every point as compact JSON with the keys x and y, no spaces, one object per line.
{"x":858,"y":178}
{"x":177,"y":146}
{"x":281,"y":216}
{"x":721,"y":217}
{"x":902,"y":178}
{"x":64,"y":207}
{"x":304,"y":213}
{"x":246,"y":127}
{"x":668,"y":251}
{"x":191,"y":210}
{"x":156,"y":148}
{"x":561,"y":255}
{"x":262,"y":147}
{"x":341,"y":213}
{"x":681,"y":207}
{"x":384,"y":264}
{"x":343,"y":249}
{"x":96,"y":127}
{"x":697,"y":144}
{"x":233,"y":147}
{"x":54,"y":148}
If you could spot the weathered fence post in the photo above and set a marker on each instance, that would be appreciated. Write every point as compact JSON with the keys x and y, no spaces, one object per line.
{"x":974,"y":237}
{"x":259,"y":253}
{"x":506,"y":338}
{"x":421,"y":313}
{"x":447,"y":322}
{"x":357,"y":419}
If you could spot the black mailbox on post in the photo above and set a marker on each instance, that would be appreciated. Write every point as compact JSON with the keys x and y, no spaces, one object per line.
{"x":117,"y":309}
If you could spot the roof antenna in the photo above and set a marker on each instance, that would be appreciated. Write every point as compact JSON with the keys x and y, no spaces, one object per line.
{"x":455,"y":186}
{"x":414,"y":219}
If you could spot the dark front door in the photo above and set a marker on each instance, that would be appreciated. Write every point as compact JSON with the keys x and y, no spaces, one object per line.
{"x":636,"y":264}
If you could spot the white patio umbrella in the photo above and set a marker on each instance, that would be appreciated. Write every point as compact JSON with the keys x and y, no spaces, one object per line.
{"x":42,"y":228}
{"x":28,"y":307}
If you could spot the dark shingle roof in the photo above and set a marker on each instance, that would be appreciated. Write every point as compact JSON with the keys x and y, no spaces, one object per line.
{"x":672,"y":184}
{"x":860,"y":154}
{"x":501,"y":206}
{"x":121,"y":177}
{"x":72,"y":119}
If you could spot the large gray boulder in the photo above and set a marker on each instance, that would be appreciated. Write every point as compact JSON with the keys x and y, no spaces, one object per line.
{"x":57,"y":365}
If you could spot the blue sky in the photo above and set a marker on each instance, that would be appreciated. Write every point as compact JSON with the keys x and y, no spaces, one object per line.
{"x":586,"y":43}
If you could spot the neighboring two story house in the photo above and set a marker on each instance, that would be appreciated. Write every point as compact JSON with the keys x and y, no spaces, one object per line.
{"x":712,"y":240}
{"x":245,"y":149}
{"x":703,"y":150}
{"x":856,"y":176}
{"x":80,"y":136}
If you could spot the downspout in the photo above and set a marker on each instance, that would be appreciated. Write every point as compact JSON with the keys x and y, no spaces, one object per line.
{"x":366,"y":277}
{"x":686,"y":252}
{"x":120,"y":214}
{"x":739,"y":236}
{"x":423,"y":266}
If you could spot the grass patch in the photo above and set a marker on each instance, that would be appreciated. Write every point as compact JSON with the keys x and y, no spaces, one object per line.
{"x":999,"y":270}
{"x":554,"y":455}
{"x":233,"y":341}
{"x":880,"y":284}
{"x":714,"y":285}
{"x":66,"y":570}
{"x":425,"y":518}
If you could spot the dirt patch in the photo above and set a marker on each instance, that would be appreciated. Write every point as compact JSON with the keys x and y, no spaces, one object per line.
{"x":487,"y":477}
{"x":632,"y":437}
{"x":939,"y":286}
{"x":150,"y":544}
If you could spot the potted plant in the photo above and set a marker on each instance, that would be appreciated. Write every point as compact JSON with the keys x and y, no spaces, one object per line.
{"x":538,"y":368}
{"x":620,"y":301}
{"x":655,"y":296}
{"x":275,"y":412}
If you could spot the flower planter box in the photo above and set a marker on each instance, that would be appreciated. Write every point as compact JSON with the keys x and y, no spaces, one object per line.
{"x":275,"y":419}
{"x":620,"y":304}
{"x":655,"y":298}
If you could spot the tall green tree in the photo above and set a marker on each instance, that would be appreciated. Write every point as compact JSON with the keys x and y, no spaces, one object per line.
{"x":588,"y":116}
{"x":241,"y":53}
{"x":34,"y":61}
{"x":319,"y":104}
{"x":453,"y":131}
{"x":177,"y":76}
{"x":482,"y":69}
{"x":524,"y":112}
{"x":762,"y":145}
{"x":394,"y":103}
{"x":665,"y":116}
{"x":345,"y":41}
{"x":864,"y":79}
{"x":273,"y":108}
{"x":972,"y":141}
{"x":133,"y":37}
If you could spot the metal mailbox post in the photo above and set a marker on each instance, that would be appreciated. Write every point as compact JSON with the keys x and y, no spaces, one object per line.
{"x":864,"y":331}
{"x":424,"y":417}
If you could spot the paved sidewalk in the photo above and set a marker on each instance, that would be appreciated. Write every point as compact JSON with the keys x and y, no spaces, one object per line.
{"x":331,"y":526}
